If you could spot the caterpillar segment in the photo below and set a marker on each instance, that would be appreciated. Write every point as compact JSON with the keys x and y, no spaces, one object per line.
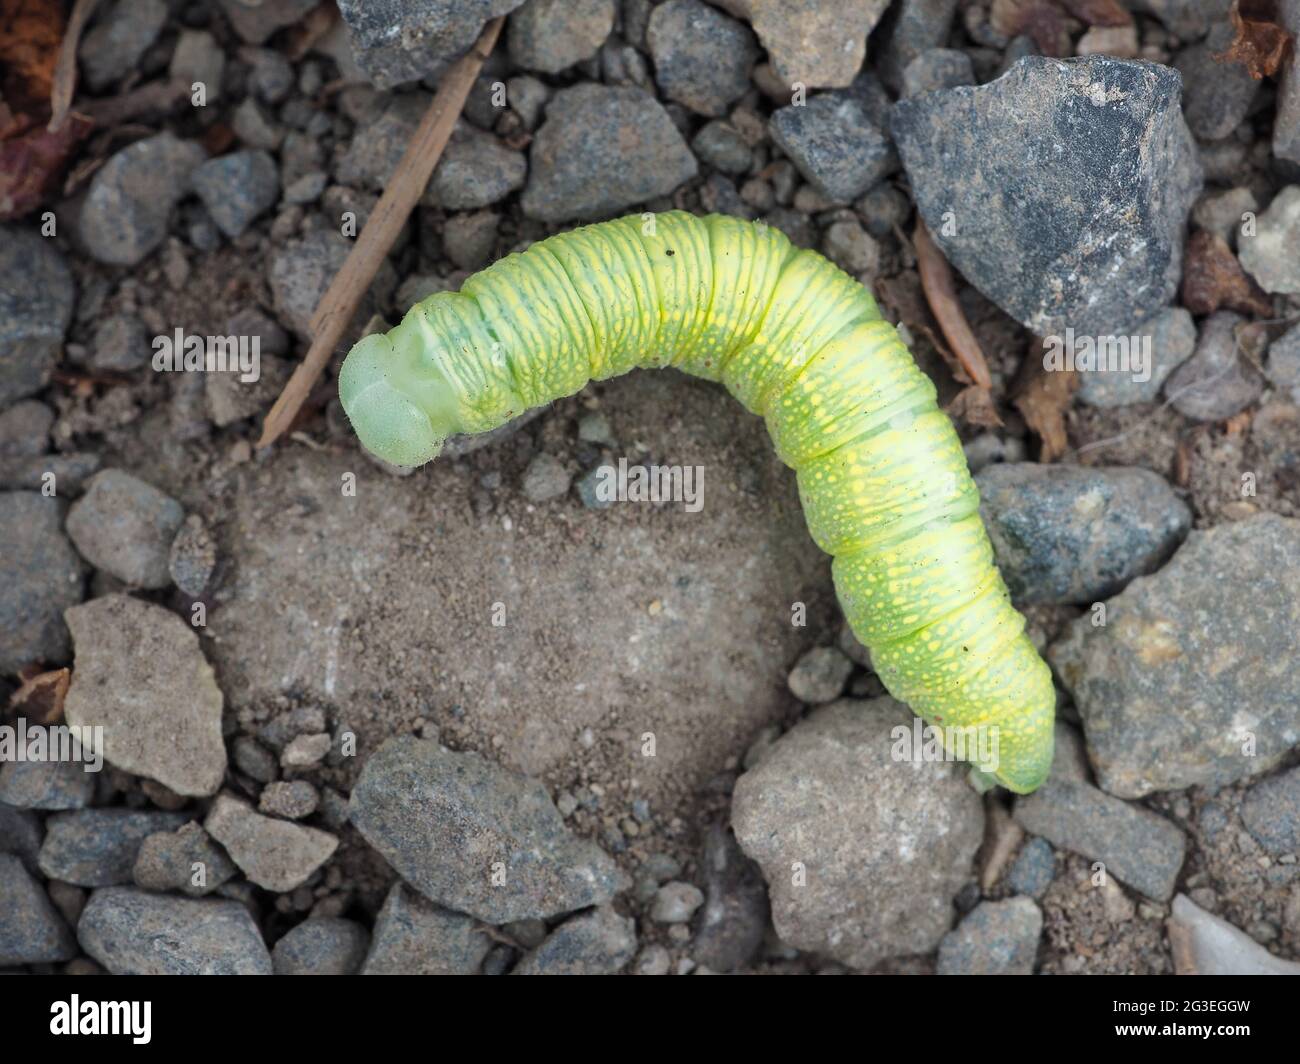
{"x":881,"y":473}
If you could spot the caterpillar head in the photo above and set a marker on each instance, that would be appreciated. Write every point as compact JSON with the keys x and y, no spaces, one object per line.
{"x":400,"y":413}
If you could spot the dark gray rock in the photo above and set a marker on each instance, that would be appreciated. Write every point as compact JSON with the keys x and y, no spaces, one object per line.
{"x":256,"y":20}
{"x":70,"y":472}
{"x":883,"y":845}
{"x":935,"y":69}
{"x":49,"y":785}
{"x":1169,"y":339}
{"x":1271,"y":812}
{"x":270,"y":74}
{"x":1189,"y":19}
{"x":120,"y":344}
{"x":1078,"y":534}
{"x":40,"y":577}
{"x":601,"y":150}
{"x":378,"y":145}
{"x":125,"y":527}
{"x":819,"y":675}
{"x":31,"y":930}
{"x":115,"y":44}
{"x":141,"y":676}
{"x":913,"y":28}
{"x":471,"y":239}
{"x":36,"y":300}
{"x":301,"y":270}
{"x":475,"y":171}
{"x":1269,"y":256}
{"x":834,"y":142}
{"x":237,"y":188}
{"x":702,"y":57}
{"x":454,"y":825}
{"x":1136,"y":846}
{"x":1216,"y":95}
{"x":125,"y":213}
{"x":552,"y":35}
{"x":323,"y":945}
{"x":1192,"y":678}
{"x":735,"y":915}
{"x":275,"y":854}
{"x":98,"y":847}
{"x":1216,"y":382}
{"x":818,"y":43}
{"x":396,"y":41}
{"x":996,"y":938}
{"x":1033,"y":870}
{"x":185,"y":859}
{"x":133,"y":932}
{"x":1095,"y":248}
{"x":718,"y":145}
{"x":545,"y":478}
{"x":415,"y":937}
{"x":21,"y":834}
{"x":25,"y":429}
{"x":599,"y":942}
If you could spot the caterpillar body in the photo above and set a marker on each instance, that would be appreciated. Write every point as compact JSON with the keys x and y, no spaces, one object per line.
{"x":881,"y":473}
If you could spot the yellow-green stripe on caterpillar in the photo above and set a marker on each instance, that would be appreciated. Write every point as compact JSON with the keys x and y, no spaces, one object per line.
{"x":881,"y":473}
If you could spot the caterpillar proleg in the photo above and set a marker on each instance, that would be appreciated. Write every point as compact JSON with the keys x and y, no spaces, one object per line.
{"x":880,"y":469}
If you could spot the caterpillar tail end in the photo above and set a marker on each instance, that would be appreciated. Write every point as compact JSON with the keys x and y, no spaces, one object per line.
{"x":384,"y":415}
{"x":1026,"y":742}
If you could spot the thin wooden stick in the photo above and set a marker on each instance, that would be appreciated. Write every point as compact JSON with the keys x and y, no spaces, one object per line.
{"x":941,"y":292}
{"x":339,"y":304}
{"x":65,"y":70}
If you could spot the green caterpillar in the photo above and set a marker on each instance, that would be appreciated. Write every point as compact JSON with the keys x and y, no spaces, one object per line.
{"x":881,"y":473}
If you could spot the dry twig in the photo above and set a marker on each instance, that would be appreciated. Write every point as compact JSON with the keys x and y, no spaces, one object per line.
{"x":65,"y":71}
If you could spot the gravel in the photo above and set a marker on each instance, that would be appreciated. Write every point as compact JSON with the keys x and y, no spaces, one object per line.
{"x":1271,"y":812}
{"x":412,"y":936}
{"x":323,"y":945}
{"x":40,"y":576}
{"x":118,"y":40}
{"x":599,"y":942}
{"x":996,"y":938}
{"x":125,"y":527}
{"x":31,"y":930}
{"x":274,"y":854}
{"x":237,"y":189}
{"x":98,"y":847}
{"x":816,"y":43}
{"x":1216,"y":947}
{"x":675,"y":903}
{"x":819,"y":676}
{"x":835,"y":143}
{"x":552,"y":35}
{"x":1217,"y":381}
{"x":46,"y":785}
{"x":702,"y":58}
{"x":186,"y":860}
{"x":1269,"y":256}
{"x":36,"y":300}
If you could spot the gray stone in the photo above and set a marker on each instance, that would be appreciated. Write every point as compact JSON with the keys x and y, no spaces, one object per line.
{"x":1284,"y":363}
{"x":1216,"y":382}
{"x":836,"y":145}
{"x":1216,"y":95}
{"x":1136,"y":846}
{"x":1210,"y":634}
{"x":126,"y":211}
{"x":851,"y":247}
{"x":256,"y":20}
{"x":735,"y":915}
{"x":185,"y":859}
{"x":306,"y":751}
{"x":935,"y":69}
{"x":545,"y":478}
{"x":98,"y":847}
{"x":415,"y":937}
{"x":378,"y":145}
{"x":50,"y":785}
{"x":253,"y":759}
{"x":1078,"y":534}
{"x":819,"y":675}
{"x":237,"y":188}
{"x":443,"y":820}
{"x":601,"y":150}
{"x":36,"y":299}
{"x":1171,"y":336}
{"x":256,"y":129}
{"x":1286,"y":125}
{"x":552,"y":35}
{"x":193,"y":556}
{"x":599,"y":942}
{"x":1097,"y":248}
{"x":996,"y":938}
{"x":818,"y":43}
{"x":914,"y":28}
{"x":884,"y":845}
{"x":21,"y":834}
{"x":25,"y":429}
{"x":718,"y":145}
{"x":1270,"y":255}
{"x":476,"y":170}
{"x":270,"y":74}
{"x":120,"y":344}
{"x":70,"y":471}
{"x":702,"y":57}
{"x":301,"y":270}
{"x":527,"y":97}
{"x":1033,"y":870}
{"x":125,"y":527}
{"x":292,"y":799}
{"x":1222,"y":213}
{"x":322,"y":945}
{"x":199,"y":60}
{"x":31,"y":930}
{"x":1218,"y":948}
{"x":274,"y":854}
{"x":115,"y":44}
{"x":396,"y":41}
{"x":471,"y":239}
{"x":40,"y":577}
{"x":141,"y":676}
{"x":133,"y":932}
{"x":1188,"y":19}
{"x":1271,"y":812}
{"x":675,"y":903}
{"x":231,"y":398}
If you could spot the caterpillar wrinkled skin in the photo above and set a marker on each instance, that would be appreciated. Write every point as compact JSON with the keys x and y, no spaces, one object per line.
{"x":881,"y":472}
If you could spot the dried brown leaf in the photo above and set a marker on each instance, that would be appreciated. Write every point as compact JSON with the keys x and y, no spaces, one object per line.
{"x":1261,"y":42}
{"x":941,"y":293}
{"x":30,"y":32}
{"x":1099,"y":12}
{"x":40,"y":698}
{"x":1043,"y":397}
{"x":1213,"y":279}
{"x":32,"y":163}
{"x":1042,"y":20}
